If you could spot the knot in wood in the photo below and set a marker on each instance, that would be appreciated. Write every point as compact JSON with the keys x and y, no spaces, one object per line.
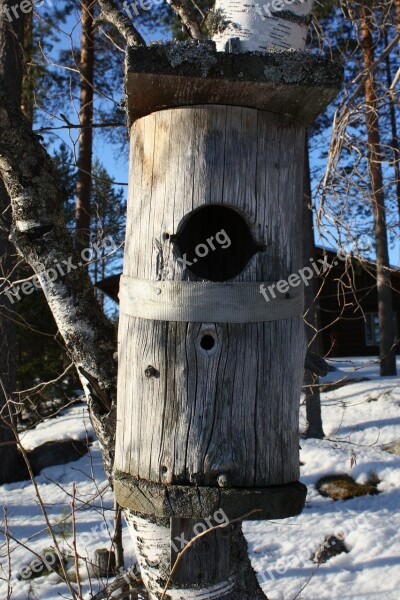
{"x":151,"y":372}
{"x":223,"y":480}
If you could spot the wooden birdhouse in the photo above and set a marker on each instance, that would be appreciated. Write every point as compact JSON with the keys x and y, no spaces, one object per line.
{"x":210,"y":369}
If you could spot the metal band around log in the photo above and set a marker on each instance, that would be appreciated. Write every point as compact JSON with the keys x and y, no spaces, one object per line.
{"x":208,"y":302}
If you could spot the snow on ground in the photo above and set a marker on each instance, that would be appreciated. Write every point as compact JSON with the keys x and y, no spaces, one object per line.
{"x":26,"y":522}
{"x":359,"y":420}
{"x":71,"y":424}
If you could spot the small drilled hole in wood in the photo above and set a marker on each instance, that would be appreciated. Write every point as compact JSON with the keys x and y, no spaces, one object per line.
{"x":207,"y":342}
{"x":215,"y":242}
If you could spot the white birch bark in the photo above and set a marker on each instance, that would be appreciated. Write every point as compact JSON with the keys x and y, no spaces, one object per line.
{"x":38,"y":232}
{"x":264,"y":25}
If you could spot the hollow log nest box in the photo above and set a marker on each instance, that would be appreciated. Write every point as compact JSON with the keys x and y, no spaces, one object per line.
{"x":210,"y":372}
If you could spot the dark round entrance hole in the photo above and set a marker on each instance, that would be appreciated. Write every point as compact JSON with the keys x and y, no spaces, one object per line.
{"x":207,"y":342}
{"x":215,"y":243}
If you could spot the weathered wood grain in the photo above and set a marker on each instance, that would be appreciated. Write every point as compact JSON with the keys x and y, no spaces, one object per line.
{"x":207,"y":560}
{"x":230,"y":413}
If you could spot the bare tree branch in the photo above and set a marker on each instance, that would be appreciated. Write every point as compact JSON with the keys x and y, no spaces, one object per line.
{"x":187,"y":14}
{"x":72,"y":126}
{"x":110,"y":13}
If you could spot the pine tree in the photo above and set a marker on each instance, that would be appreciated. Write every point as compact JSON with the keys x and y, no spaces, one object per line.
{"x":385,"y":306}
{"x":84,"y":163}
{"x":314,"y":426}
{"x":109,"y":213}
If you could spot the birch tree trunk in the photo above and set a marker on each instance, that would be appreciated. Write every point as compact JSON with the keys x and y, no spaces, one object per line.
{"x":279,"y":25}
{"x":8,"y":449}
{"x":11,"y":36}
{"x":39,"y":233}
{"x":385,"y":306}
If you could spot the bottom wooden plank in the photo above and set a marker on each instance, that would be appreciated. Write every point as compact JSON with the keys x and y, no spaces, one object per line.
{"x":145,"y":498}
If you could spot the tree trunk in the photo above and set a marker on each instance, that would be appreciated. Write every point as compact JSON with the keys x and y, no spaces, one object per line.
{"x":104,"y":563}
{"x":152,"y":541}
{"x":117,"y":541}
{"x":27,"y":98}
{"x":314,"y":427}
{"x":84,"y":178}
{"x":11,"y":35}
{"x":8,"y":448}
{"x":392,"y":112}
{"x":385,"y":309}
